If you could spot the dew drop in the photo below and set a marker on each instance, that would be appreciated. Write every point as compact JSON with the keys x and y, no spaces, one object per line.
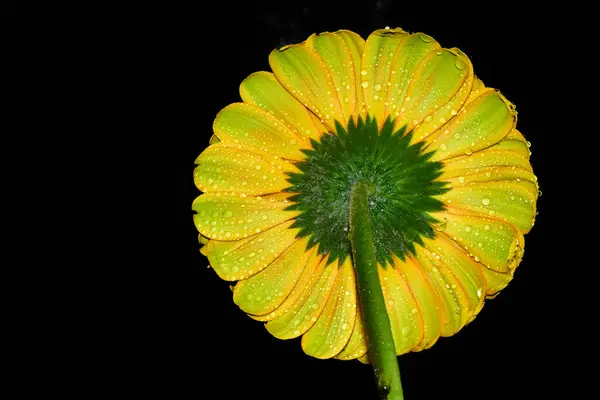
{"x":487,"y":228}
{"x":479,"y":293}
{"x":425,"y":38}
{"x":486,"y":201}
{"x":363,"y":72}
{"x":468,"y":228}
{"x":460,"y":63}
{"x":461,"y":179}
{"x":441,"y":226}
{"x":377,"y":87}
{"x":365,"y":84}
{"x":443,"y":147}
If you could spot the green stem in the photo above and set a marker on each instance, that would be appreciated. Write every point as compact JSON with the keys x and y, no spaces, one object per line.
{"x":382,"y":352}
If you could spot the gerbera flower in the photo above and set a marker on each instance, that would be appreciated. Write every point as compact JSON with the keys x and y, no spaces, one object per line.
{"x":379,"y":166}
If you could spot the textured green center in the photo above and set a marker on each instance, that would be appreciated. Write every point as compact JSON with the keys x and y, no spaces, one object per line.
{"x":403,"y":186}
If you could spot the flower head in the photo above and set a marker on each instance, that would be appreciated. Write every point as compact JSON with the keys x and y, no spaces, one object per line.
{"x":452,"y":191}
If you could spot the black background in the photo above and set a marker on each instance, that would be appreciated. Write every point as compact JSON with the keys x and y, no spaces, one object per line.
{"x":191,"y":340}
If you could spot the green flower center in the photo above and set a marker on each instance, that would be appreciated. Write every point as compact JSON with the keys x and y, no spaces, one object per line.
{"x":401,"y":199}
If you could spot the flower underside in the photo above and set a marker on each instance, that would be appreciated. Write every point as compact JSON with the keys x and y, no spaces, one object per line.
{"x":403,"y":180}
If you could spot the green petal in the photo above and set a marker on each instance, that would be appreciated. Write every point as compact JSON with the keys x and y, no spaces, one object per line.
{"x":407,"y":327}
{"x":235,"y":260}
{"x":332,"y":330}
{"x":304,"y":74}
{"x":301,"y":310}
{"x":264,"y":292}
{"x":245,"y":126}
{"x":225,"y":169}
{"x":261,"y":89}
{"x":480,"y":124}
{"x":229,"y":217}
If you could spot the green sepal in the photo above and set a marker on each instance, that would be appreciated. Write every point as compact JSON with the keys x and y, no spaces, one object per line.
{"x":404,"y":181}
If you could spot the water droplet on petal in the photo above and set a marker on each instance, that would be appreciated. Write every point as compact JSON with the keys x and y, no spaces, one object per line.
{"x":425,"y":38}
{"x":486,"y":201}
{"x":365,"y":84}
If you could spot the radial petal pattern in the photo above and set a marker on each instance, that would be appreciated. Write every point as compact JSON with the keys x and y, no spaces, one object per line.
{"x":247,"y":226}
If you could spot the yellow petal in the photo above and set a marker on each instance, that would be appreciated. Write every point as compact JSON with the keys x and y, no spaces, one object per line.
{"x":357,"y":344}
{"x":467,"y":271}
{"x":304,"y":74}
{"x":355,"y":45}
{"x":246,"y":126}
{"x":454,"y":304}
{"x":477,"y":89}
{"x":225,"y":169}
{"x":407,"y":327}
{"x":514,"y":142}
{"x":229,"y":217}
{"x":264,"y":292}
{"x":487,"y":174}
{"x":480,"y":124}
{"x":233,"y":260}
{"x":261,"y":89}
{"x":332,"y":330}
{"x":409,"y":56}
{"x":486,"y":160}
{"x":496,"y":281}
{"x":510,"y":201}
{"x":342,"y":64}
{"x":376,"y":70}
{"x":427,"y":299}
{"x":301,"y":283}
{"x":302,"y":308}
{"x":438,"y":90}
{"x":496,"y":244}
